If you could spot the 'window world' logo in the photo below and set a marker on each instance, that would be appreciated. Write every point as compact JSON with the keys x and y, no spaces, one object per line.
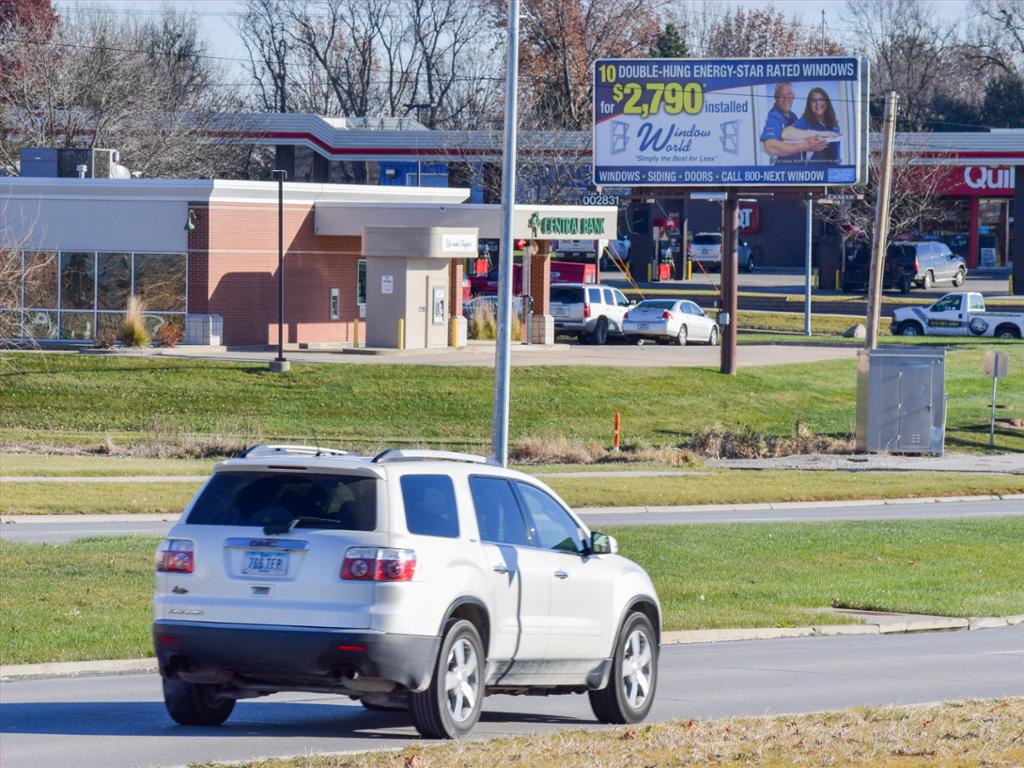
{"x":620,"y":137}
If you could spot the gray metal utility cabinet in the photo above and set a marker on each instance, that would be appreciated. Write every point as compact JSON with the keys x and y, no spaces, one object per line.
{"x":901,"y":400}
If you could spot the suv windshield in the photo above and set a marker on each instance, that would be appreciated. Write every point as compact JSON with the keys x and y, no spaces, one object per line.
{"x":347,"y":502}
{"x":566,"y":295}
{"x":707,"y":239}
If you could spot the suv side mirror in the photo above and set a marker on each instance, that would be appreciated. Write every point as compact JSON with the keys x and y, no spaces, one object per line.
{"x":603,"y":544}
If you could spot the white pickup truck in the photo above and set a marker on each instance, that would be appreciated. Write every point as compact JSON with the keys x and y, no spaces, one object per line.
{"x":957,"y":314}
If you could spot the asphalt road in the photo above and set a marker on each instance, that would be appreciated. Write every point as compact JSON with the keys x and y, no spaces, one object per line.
{"x":69,"y":529}
{"x":118,"y":722}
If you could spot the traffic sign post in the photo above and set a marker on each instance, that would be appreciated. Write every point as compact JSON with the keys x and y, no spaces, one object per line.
{"x":996,"y":365}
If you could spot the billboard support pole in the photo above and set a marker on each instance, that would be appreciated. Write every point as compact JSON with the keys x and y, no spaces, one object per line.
{"x":881,"y":233}
{"x":502,"y":352}
{"x":731,"y":223}
{"x":807,"y":267}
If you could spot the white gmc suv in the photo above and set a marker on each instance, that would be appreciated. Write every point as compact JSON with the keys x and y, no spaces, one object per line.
{"x":419,"y":580}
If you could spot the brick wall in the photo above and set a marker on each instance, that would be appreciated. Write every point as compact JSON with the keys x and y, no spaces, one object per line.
{"x":233,"y":267}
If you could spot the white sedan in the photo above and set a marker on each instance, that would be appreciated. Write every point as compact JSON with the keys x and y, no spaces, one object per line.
{"x":669,"y":319}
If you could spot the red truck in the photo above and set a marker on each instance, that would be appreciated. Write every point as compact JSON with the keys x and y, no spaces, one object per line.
{"x":561,"y":272}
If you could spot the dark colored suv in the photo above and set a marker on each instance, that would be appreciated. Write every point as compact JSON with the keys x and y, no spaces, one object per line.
{"x":906,"y":264}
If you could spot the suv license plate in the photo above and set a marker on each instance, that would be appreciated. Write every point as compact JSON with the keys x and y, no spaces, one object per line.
{"x":559,"y":312}
{"x":265,"y":563}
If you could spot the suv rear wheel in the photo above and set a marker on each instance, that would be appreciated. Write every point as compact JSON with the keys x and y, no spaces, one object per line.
{"x":927,"y":280}
{"x":630,"y":691}
{"x":450,"y":706}
{"x":195,"y":703}
{"x":600,"y":333}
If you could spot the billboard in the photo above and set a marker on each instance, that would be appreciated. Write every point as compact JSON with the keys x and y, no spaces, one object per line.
{"x":730,"y":122}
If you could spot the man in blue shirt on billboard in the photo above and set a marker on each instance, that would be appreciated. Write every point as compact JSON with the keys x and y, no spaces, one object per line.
{"x":779,"y":118}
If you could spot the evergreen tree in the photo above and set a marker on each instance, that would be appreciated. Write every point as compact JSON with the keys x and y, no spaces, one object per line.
{"x":1004,"y":102}
{"x":669,"y":45}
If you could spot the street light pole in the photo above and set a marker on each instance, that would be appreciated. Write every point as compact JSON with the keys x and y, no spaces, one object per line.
{"x":502,"y":352}
{"x":280,"y":364}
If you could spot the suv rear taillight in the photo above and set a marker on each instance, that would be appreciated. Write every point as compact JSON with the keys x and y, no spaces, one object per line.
{"x":378,"y":564}
{"x":175,"y":556}
{"x":586,"y":310}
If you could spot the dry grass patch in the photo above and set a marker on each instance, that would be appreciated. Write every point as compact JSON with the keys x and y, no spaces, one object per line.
{"x":972,"y":733}
{"x":535,"y":451}
{"x":717,"y":442}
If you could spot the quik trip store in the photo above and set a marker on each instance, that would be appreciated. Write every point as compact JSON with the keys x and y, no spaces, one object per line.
{"x":204,"y":254}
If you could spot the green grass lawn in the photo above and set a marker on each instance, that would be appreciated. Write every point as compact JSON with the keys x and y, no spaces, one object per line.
{"x":90,"y":599}
{"x":63,"y":398}
{"x":719,"y":486}
{"x":50,"y":465}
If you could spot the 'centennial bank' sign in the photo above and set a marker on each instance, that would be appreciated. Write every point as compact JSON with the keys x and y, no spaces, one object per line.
{"x":729,"y":122}
{"x":566,"y":225}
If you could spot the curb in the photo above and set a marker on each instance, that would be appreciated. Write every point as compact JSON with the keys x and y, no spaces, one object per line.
{"x":785,"y":505}
{"x":832,"y":630}
{"x":689,"y":637}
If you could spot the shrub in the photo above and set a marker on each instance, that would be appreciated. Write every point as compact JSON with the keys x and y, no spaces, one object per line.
{"x":483,"y":325}
{"x":133,"y":327}
{"x":169,"y":334}
{"x":106,"y":338}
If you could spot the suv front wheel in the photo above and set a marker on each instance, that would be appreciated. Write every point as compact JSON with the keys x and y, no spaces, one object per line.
{"x":195,"y":703}
{"x":450,"y":706}
{"x":629,"y":694}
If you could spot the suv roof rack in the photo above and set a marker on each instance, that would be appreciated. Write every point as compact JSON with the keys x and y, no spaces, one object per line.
{"x":258,"y":451}
{"x":396,"y":454}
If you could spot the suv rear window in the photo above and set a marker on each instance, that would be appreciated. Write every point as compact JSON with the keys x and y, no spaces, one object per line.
{"x":707,"y":239}
{"x":345,"y":502}
{"x":566,"y":295}
{"x":430,"y":507}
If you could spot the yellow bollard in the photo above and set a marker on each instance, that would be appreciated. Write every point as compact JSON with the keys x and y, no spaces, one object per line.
{"x":649,"y":268}
{"x":401,"y":333}
{"x":1009,"y":288}
{"x":453,"y":332}
{"x":689,"y":270}
{"x":835,"y":285}
{"x":815,"y":278}
{"x":355,"y":333}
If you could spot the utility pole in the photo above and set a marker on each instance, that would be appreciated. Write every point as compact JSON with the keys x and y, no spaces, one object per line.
{"x":502,"y":351}
{"x":881,"y":233}
{"x":730,"y":276}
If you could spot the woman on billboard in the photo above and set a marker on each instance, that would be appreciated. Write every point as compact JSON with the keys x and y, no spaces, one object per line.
{"x":818,"y":121}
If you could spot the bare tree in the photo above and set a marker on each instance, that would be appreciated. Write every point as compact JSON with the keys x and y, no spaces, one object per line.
{"x":767,"y":33}
{"x":262,"y":31}
{"x":996,"y":38}
{"x":144,"y":87}
{"x":560,"y":41}
{"x":697,"y":21}
{"x":918,"y":173}
{"x":912,"y":50}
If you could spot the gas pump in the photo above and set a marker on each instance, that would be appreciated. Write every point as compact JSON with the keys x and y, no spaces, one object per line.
{"x":666,"y":244}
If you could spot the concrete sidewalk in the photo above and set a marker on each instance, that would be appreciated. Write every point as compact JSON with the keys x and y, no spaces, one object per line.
{"x":874,"y":623}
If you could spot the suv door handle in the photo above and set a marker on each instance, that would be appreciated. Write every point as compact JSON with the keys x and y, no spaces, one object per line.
{"x":501,"y":569}
{"x":561,"y":575}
